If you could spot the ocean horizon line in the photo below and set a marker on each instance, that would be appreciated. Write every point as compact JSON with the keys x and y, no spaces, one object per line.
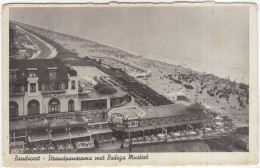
{"x":200,"y":70}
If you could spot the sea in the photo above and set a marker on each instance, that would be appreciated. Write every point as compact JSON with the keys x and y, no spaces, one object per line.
{"x":234,"y":70}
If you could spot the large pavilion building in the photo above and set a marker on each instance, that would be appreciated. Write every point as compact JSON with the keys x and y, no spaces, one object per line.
{"x":41,"y":86}
{"x":138,"y":121}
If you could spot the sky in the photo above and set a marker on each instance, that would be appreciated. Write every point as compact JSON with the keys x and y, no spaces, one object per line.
{"x":203,"y":36}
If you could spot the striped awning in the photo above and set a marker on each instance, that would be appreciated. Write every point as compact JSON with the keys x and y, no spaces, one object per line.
{"x":40,"y":123}
{"x":18,"y":125}
{"x":79,"y":134}
{"x":60,"y":136}
{"x":39,"y":137}
{"x":58,"y":123}
{"x":77,"y":121}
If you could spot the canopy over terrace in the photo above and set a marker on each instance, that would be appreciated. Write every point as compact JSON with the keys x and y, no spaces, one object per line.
{"x":37,"y":124}
{"x":39,"y":137}
{"x":77,"y":121}
{"x":58,"y":123}
{"x":20,"y":125}
{"x":80,"y":134}
{"x":60,"y":136}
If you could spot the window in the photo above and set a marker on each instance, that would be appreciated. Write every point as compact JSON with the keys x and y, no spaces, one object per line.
{"x":195,"y":116}
{"x":144,"y":122}
{"x":115,"y":102}
{"x":54,"y":105}
{"x":71,"y":105}
{"x":187,"y":117}
{"x":25,"y":87}
{"x":179,"y":118}
{"x":52,"y":73}
{"x":94,"y":104}
{"x":103,"y":104}
{"x":39,"y":86}
{"x":19,"y":134}
{"x":18,"y":88}
{"x":13,"y":109}
{"x":162,"y":120}
{"x":33,"y":107}
{"x":32,"y":74}
{"x":170,"y":119}
{"x":47,"y":86}
{"x":57,"y":86}
{"x":32,"y":87}
{"x":73,"y":85}
{"x":132,"y":123}
{"x":12,"y":75}
{"x":153,"y":121}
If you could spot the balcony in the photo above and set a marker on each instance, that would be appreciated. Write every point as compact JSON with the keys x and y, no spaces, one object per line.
{"x":53,"y":91}
{"x":16,"y":93}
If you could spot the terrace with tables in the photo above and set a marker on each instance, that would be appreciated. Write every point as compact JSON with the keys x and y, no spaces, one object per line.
{"x":189,"y":134}
{"x":168,"y":124}
{"x":71,"y":134}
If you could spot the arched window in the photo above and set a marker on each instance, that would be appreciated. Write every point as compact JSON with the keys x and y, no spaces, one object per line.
{"x":71,"y":105}
{"x":33,"y":107}
{"x":13,"y":109}
{"x":54,"y":105}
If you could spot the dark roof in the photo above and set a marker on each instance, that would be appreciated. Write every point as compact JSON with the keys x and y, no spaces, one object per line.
{"x":197,"y":106}
{"x":77,"y":121}
{"x":18,"y":125}
{"x":57,"y":123}
{"x":130,"y":112}
{"x":147,"y":112}
{"x":38,"y":123}
{"x":165,"y":110}
{"x":42,"y":71}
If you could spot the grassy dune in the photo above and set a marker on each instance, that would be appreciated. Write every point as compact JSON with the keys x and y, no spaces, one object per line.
{"x":75,"y":44}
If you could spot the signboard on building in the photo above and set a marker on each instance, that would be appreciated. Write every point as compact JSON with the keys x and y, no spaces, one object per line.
{"x":60,"y":96}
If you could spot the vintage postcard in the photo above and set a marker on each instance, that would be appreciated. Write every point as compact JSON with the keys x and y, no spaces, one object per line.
{"x":129,"y":84}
